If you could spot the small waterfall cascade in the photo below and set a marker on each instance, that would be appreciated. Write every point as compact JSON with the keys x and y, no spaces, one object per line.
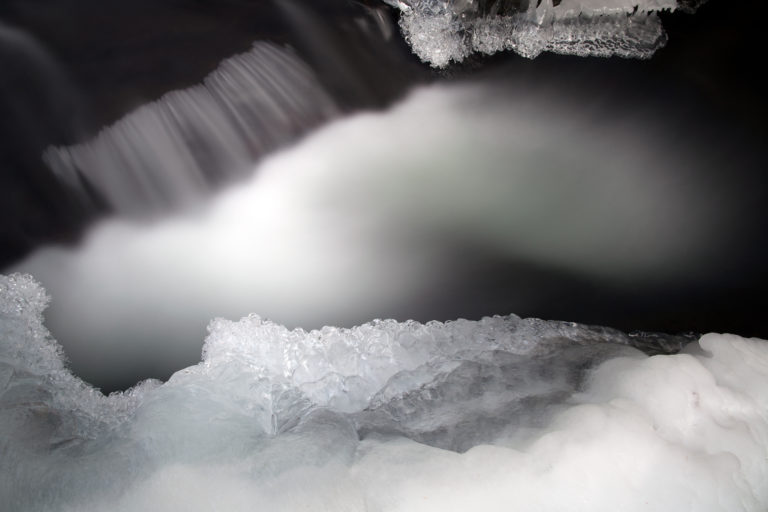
{"x":169,"y":153}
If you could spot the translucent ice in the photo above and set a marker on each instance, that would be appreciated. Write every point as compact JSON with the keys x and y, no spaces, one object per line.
{"x":441,"y":31}
{"x":490,"y":415}
{"x":361,"y":218}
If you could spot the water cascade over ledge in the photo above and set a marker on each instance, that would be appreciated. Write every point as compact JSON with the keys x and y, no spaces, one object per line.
{"x":597,"y":190}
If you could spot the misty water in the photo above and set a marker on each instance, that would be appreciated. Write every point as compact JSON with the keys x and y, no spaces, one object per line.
{"x":257,"y":227}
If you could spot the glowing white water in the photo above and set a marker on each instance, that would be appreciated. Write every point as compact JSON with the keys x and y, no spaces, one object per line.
{"x":357,"y":218}
{"x":330,"y":419}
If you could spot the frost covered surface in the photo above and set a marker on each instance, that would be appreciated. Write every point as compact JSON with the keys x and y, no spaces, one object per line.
{"x":441,"y":31}
{"x":490,"y":415}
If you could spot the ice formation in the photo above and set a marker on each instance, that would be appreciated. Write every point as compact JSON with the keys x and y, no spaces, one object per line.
{"x":388,"y":416}
{"x":441,"y":31}
{"x":172,"y":152}
{"x":376,"y":201}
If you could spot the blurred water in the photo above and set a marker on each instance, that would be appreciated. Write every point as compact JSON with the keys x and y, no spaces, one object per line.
{"x":175,"y":152}
{"x":389,"y":416}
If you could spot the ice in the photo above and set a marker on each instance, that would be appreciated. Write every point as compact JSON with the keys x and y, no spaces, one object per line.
{"x":503,"y":412}
{"x":362,"y":219}
{"x":444,"y":31}
{"x":33,"y":371}
{"x":172,"y":152}
{"x":345,"y":368}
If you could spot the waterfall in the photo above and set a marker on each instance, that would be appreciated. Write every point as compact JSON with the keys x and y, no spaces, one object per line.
{"x":441,"y":32}
{"x":171,"y":153}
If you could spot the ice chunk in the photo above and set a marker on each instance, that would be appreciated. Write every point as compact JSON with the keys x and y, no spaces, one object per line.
{"x":345,"y":368}
{"x":459,"y":404}
{"x":441,"y":31}
{"x":389,"y":416}
{"x":48,"y":417}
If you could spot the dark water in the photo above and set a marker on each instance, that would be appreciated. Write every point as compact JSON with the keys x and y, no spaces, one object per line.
{"x":71,"y":68}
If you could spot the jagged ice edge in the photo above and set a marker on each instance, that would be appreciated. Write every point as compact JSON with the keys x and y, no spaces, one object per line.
{"x":440,"y":32}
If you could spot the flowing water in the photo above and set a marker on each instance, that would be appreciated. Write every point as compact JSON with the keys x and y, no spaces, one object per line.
{"x":270,"y":202}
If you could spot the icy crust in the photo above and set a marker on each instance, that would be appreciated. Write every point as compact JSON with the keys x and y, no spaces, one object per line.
{"x":48,"y":417}
{"x":490,"y":415}
{"x":34,"y":379}
{"x":345,"y":369}
{"x":441,"y":31}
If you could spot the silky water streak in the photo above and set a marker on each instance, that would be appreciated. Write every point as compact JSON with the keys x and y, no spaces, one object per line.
{"x":444,"y":31}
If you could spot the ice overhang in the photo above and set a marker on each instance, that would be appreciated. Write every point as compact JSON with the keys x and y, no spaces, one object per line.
{"x":445,"y":31}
